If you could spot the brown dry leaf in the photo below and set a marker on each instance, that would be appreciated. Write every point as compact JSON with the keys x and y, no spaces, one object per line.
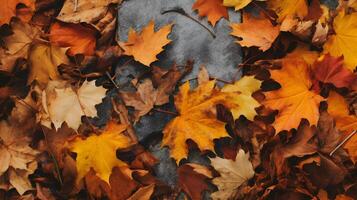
{"x":294,"y":100}
{"x":192,"y":179}
{"x":144,"y":193}
{"x":63,"y":103}
{"x":147,"y":44}
{"x":327,"y":133}
{"x":8,"y":9}
{"x":338,"y":109}
{"x":263,"y":38}
{"x":80,"y":38}
{"x":233,"y":174}
{"x":44,"y":60}
{"x":213,"y":9}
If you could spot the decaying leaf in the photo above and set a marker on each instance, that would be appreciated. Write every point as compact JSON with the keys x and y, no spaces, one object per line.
{"x":147,"y":44}
{"x":99,"y":151}
{"x":233,"y":174}
{"x":213,"y":9}
{"x":63,"y":103}
{"x":294,"y":99}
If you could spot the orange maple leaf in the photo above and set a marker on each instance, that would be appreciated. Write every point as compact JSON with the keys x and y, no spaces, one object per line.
{"x":81,"y":39}
{"x":294,"y":100}
{"x":8,"y":9}
{"x":146,"y":45}
{"x":213,"y":9}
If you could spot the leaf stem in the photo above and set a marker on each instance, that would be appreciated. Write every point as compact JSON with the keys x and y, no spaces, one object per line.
{"x":343,"y":142}
{"x":165,"y":111}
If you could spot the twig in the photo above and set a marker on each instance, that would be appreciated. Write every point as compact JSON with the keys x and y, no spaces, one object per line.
{"x":343,"y":142}
{"x":182,"y":12}
{"x":111,"y":80}
{"x":165,"y":111}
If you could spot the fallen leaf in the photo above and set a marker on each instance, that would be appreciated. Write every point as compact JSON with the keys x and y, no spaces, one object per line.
{"x":8,"y":9}
{"x":197,"y":119}
{"x":237,"y":4}
{"x":344,"y":41}
{"x":192,"y":178}
{"x":293,"y":100}
{"x":343,"y":197}
{"x":44,"y":60}
{"x":327,"y":133}
{"x":289,"y":8}
{"x":329,"y":69}
{"x":247,"y":104}
{"x":18,"y":178}
{"x":99,"y":151}
{"x":81,"y":39}
{"x":338,"y":109}
{"x":63,"y":103}
{"x":212,"y":9}
{"x":351,"y":147}
{"x":263,"y":38}
{"x":144,"y":193}
{"x":144,"y":46}
{"x":233,"y":174}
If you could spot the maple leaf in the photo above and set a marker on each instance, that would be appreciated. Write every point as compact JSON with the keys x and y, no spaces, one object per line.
{"x":247,"y":104}
{"x":237,"y":4}
{"x":233,"y":174}
{"x":81,"y":39}
{"x":147,"y":44}
{"x":338,"y":109}
{"x":8,"y":9}
{"x":263,"y":38}
{"x":344,"y":41}
{"x":213,"y":9}
{"x":329,"y":69}
{"x":287,"y":9}
{"x":99,"y":151}
{"x":197,"y":119}
{"x":192,"y":179}
{"x":63,"y":103}
{"x":44,"y":60}
{"x":294,"y":100}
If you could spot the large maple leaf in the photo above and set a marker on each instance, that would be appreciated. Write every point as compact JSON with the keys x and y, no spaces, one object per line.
{"x":294,"y":100}
{"x":251,"y":37}
{"x":197,"y":120}
{"x":144,"y":46}
{"x":344,"y":41}
{"x":8,"y":9}
{"x":213,"y":9}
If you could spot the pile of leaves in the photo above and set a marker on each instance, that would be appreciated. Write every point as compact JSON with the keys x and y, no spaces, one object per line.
{"x":284,"y":130}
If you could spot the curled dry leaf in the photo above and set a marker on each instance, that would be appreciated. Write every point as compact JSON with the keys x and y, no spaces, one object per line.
{"x":144,"y":46}
{"x":99,"y":151}
{"x":213,"y":9}
{"x":63,"y":103}
{"x":233,"y":174}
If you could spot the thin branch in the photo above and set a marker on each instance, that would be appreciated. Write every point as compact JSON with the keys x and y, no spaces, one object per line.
{"x":343,"y":142}
{"x":183,"y":13}
{"x":165,"y":111}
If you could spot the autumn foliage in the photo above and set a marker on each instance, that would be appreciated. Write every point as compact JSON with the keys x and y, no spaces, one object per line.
{"x":283,"y":128}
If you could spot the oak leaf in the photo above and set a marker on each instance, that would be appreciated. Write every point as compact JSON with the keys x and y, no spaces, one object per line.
{"x":294,"y":100}
{"x":237,"y":4}
{"x":44,"y":60}
{"x":213,"y":9}
{"x":289,"y":9}
{"x":344,"y":41}
{"x":263,"y":38}
{"x":329,"y":69}
{"x":63,"y":103}
{"x":80,"y":38}
{"x":233,"y":174}
{"x":197,"y":118}
{"x":8,"y":9}
{"x":247,"y":104}
{"x":144,"y":46}
{"x":99,"y":151}
{"x":338,"y":108}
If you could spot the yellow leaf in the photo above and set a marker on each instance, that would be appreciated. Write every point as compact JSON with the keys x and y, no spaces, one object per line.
{"x":293,"y":100}
{"x":197,"y":120}
{"x":99,"y":151}
{"x":146,"y":45}
{"x":338,"y":108}
{"x":213,"y":9}
{"x":344,"y":41}
{"x":237,"y":4}
{"x":287,"y":9}
{"x":263,"y":38}
{"x":44,"y":60}
{"x":247,"y":104}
